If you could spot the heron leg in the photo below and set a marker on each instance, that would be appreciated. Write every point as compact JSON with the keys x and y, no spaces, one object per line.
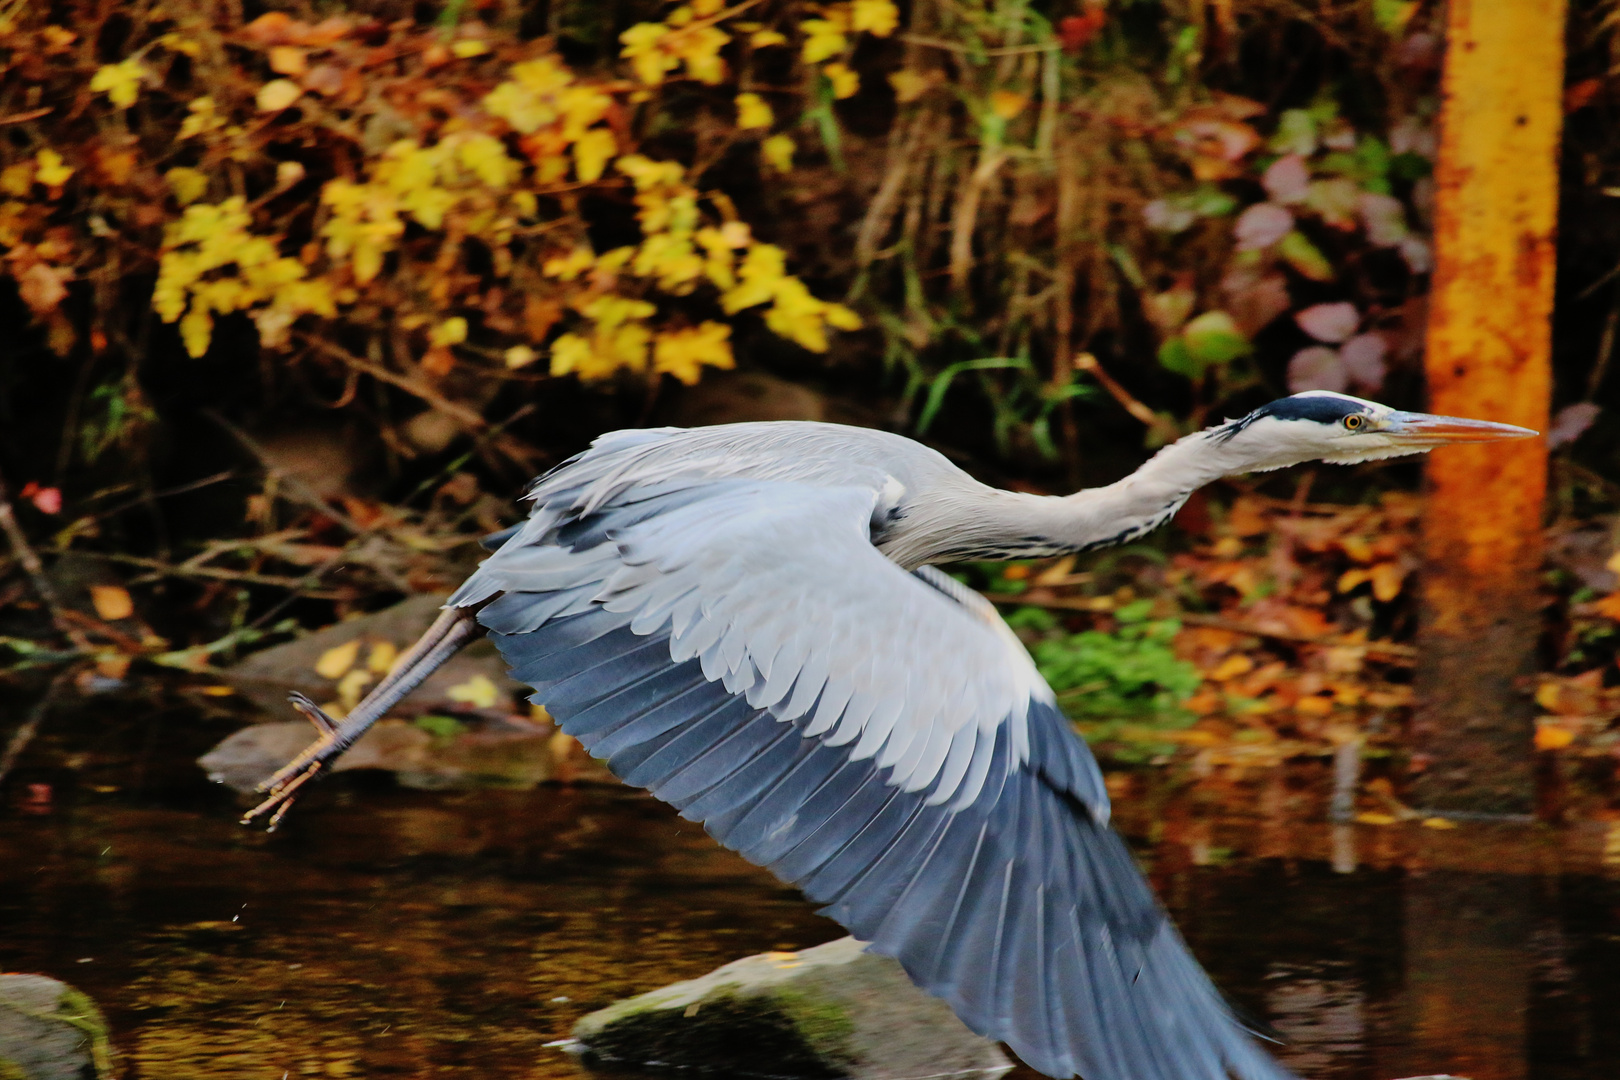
{"x":450,"y":631}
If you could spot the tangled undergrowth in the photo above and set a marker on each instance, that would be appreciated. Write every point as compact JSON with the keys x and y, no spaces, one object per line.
{"x":1282,"y":633}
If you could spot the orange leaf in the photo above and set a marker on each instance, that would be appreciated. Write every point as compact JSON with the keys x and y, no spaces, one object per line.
{"x":1609,"y":606}
{"x":1553,"y":737}
{"x":111,"y":602}
{"x":1386,"y":581}
{"x":288,"y":60}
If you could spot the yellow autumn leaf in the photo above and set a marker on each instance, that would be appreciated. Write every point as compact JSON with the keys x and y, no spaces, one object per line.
{"x":823,"y":38}
{"x":593,"y":150}
{"x":643,"y":47}
{"x":453,"y":331}
{"x":478,"y":691}
{"x":753,"y":112}
{"x":764,"y":39}
{"x":50,"y":170}
{"x":908,"y":85}
{"x":18,"y":179}
{"x":352,"y":685}
{"x":1375,"y":817}
{"x":468,"y":48}
{"x":875,"y":17}
{"x":843,"y":78}
{"x":382,"y":657}
{"x":111,"y":602}
{"x":519,"y":356}
{"x":1231,"y":668}
{"x":188,"y":184}
{"x":278,"y":94}
{"x":778,"y":152}
{"x":682,"y":353}
{"x":1008,"y":103}
{"x":121,"y":82}
{"x":571,"y":265}
{"x":1437,"y":823}
{"x":338,"y":659}
{"x":201,"y":117}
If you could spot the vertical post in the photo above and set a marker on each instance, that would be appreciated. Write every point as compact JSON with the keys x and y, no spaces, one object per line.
{"x":1488,"y":357}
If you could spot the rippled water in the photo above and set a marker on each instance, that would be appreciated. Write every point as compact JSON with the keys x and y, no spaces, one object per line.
{"x":386,"y":932}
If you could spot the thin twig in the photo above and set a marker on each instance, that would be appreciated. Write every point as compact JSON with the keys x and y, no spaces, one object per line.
{"x":163,"y":569}
{"x":36,"y":570}
{"x":30,"y":726}
{"x":1088,"y":363}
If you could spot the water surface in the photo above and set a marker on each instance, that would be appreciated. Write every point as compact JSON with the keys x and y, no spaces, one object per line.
{"x":394,"y":933}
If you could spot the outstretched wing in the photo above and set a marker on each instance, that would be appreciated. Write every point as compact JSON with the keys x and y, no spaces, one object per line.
{"x":741,"y":649}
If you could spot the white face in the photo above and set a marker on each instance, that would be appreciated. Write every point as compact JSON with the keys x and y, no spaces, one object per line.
{"x":1322,"y":426}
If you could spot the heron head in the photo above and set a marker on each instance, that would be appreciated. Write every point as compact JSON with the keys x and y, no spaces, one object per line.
{"x":1319,"y":425}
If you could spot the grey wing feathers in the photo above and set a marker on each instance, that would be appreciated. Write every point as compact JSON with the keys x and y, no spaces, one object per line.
{"x":740,"y":648}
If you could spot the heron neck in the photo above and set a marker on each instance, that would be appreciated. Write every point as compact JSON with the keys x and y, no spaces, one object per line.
{"x":1141,"y":502}
{"x":1011,"y":525}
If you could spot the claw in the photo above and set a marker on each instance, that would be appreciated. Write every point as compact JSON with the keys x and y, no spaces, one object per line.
{"x":449,"y":632}
{"x":313,"y":713}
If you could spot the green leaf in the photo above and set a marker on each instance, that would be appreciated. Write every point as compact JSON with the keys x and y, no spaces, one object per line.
{"x":1214,"y":338}
{"x":942,"y":383}
{"x":1296,"y":133}
{"x":440,"y":727}
{"x":1173,"y":356}
{"x":1303,"y":256}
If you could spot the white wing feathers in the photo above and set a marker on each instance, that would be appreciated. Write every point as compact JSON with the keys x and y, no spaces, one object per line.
{"x":776,"y":588}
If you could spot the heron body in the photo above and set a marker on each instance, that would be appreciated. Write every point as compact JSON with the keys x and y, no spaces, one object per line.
{"x":745,"y":620}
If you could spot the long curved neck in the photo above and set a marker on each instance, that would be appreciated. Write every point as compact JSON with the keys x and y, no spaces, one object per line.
{"x":987,"y":523}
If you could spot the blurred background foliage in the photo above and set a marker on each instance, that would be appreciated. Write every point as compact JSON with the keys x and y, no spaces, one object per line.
{"x":300,"y":294}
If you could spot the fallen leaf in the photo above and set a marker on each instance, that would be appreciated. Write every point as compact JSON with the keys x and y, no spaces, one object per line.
{"x":288,"y":60}
{"x":382,"y":657}
{"x":1438,"y":823}
{"x":1553,"y":737}
{"x":278,"y":94}
{"x":477,"y":691}
{"x":111,"y":602}
{"x":1375,"y":817}
{"x":1387,"y":578}
{"x":351,"y":686}
{"x":41,"y":288}
{"x":1231,"y":668}
{"x":338,"y":659}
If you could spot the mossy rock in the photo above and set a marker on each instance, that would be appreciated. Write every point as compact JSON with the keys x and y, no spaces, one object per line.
{"x":832,"y":1011}
{"x":50,"y":1031}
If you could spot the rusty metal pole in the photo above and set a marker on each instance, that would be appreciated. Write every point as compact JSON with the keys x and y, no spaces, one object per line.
{"x":1489,"y":339}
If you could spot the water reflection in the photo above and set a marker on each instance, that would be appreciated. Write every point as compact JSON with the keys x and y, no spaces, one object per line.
{"x":405,"y":933}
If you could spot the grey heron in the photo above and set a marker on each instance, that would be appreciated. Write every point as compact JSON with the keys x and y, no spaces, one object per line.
{"x":746,"y":620}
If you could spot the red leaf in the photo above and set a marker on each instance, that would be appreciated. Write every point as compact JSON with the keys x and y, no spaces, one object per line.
{"x":1074,"y":32}
{"x":1262,"y":225}
{"x":1329,"y":322}
{"x":1317,"y":368}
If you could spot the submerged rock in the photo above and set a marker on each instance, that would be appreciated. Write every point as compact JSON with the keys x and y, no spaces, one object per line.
{"x":266,"y":676}
{"x":430,"y":752}
{"x":50,"y":1031}
{"x":831,"y":1011}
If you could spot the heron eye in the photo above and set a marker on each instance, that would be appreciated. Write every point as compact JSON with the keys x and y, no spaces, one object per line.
{"x":1355,"y":421}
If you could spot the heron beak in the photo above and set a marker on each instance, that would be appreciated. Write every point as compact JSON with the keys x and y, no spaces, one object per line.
{"x":1423,"y":429}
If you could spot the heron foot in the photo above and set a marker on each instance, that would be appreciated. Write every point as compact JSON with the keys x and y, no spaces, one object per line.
{"x":283,"y":786}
